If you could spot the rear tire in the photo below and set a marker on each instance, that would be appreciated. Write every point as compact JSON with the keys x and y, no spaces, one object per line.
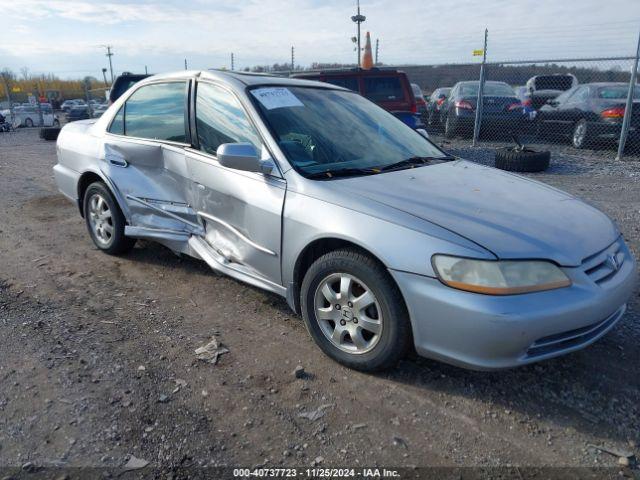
{"x":105,"y":220}
{"x":28,"y":123}
{"x":371,"y":329}
{"x":525,"y":160}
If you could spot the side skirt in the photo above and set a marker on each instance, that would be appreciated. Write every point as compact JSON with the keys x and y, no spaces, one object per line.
{"x":234,"y":270}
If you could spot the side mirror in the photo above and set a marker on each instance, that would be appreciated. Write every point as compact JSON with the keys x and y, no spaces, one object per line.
{"x":242,"y":156}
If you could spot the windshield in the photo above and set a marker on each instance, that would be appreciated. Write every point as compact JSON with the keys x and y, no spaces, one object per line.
{"x":490,"y":90}
{"x":322,"y":130}
{"x":618,"y":92}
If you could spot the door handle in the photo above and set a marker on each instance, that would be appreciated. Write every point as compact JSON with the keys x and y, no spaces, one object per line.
{"x":118,"y":162}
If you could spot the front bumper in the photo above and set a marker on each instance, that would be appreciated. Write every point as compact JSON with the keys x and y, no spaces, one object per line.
{"x":486,"y":332}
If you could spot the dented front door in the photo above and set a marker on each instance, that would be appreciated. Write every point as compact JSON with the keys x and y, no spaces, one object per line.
{"x":242,"y":214}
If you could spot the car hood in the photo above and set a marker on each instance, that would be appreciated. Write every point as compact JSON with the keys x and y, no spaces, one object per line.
{"x":507,"y":214}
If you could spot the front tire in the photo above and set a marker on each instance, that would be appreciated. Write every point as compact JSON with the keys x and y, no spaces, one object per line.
{"x":105,"y":220}
{"x":581,"y":134}
{"x":354,"y":311}
{"x":28,"y":123}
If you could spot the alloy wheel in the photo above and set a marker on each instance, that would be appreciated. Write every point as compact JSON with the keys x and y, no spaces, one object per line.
{"x":348,"y":313}
{"x":100,"y":219}
{"x":579,"y":134}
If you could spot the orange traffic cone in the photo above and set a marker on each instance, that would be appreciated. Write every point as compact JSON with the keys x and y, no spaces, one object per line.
{"x":367,"y":57}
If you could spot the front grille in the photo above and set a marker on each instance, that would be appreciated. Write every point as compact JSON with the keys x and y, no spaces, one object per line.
{"x":604,"y":265}
{"x":572,"y":338}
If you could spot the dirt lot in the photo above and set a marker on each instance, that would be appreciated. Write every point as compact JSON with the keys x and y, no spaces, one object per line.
{"x":97,"y":361}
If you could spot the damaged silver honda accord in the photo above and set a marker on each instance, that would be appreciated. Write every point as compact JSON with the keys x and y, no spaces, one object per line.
{"x":376,"y":236}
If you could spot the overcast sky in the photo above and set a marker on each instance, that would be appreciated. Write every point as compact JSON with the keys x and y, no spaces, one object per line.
{"x":64,"y":37}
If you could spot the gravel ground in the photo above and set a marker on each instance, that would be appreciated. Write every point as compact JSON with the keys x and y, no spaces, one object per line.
{"x":98,"y":366}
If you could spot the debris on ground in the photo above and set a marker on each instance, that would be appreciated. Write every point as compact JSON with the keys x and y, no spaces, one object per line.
{"x":299,"y":372}
{"x":316,"y":414}
{"x":400,"y":442}
{"x":135,"y":464}
{"x":612,"y":451}
{"x":211,"y":351}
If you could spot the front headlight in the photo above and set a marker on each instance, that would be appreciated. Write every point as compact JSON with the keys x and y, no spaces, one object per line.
{"x":499,"y":277}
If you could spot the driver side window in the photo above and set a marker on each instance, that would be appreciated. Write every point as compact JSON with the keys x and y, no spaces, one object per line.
{"x":220,"y":119}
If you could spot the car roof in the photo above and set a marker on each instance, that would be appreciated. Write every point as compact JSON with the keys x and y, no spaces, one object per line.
{"x":240,"y":80}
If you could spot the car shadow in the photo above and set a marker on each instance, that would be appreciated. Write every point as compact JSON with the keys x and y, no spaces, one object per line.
{"x":592,"y":391}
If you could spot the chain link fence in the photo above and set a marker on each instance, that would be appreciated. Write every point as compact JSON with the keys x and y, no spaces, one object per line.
{"x":586,"y":106}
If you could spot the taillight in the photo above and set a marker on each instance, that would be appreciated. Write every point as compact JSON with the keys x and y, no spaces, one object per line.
{"x":514,"y":106}
{"x":414,"y":108}
{"x":615,"y":112}
{"x":463,"y":104}
{"x":527,"y":103}
{"x":440,"y":101}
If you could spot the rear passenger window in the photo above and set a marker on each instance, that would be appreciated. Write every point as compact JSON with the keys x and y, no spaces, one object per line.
{"x":157,"y":112}
{"x":346,"y":82}
{"x":381,"y":89}
{"x":221,"y":119}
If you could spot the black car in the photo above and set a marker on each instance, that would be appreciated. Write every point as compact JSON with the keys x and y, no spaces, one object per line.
{"x":589,"y":113}
{"x":80,"y":112}
{"x":436,"y":101}
{"x":123,"y":83}
{"x":502,"y":111}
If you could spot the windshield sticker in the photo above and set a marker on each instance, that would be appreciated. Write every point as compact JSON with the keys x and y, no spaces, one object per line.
{"x":276,"y":97}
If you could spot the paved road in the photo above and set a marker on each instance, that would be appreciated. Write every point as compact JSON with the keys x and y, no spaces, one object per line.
{"x":98,"y":360}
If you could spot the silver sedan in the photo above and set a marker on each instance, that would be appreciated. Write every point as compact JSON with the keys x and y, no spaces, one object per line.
{"x":377,"y":237}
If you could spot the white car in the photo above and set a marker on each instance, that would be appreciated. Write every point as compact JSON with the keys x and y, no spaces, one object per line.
{"x":29,"y":117}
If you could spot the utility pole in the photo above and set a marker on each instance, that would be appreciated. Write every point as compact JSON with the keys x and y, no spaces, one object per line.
{"x":104,"y":75}
{"x":358,"y":19}
{"x":6,"y":90}
{"x":293,"y":61}
{"x":185,"y":64}
{"x":377,"y":49}
{"x":626,"y":120}
{"x":232,"y":62}
{"x":146,"y":72}
{"x":109,"y":55}
{"x":480,"y":101}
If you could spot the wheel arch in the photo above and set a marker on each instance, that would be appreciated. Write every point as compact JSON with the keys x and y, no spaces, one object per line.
{"x":91,"y":176}
{"x":314,"y":250}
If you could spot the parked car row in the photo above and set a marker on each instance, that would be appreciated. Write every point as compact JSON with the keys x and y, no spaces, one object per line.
{"x":548,"y":106}
{"x":28,"y":115}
